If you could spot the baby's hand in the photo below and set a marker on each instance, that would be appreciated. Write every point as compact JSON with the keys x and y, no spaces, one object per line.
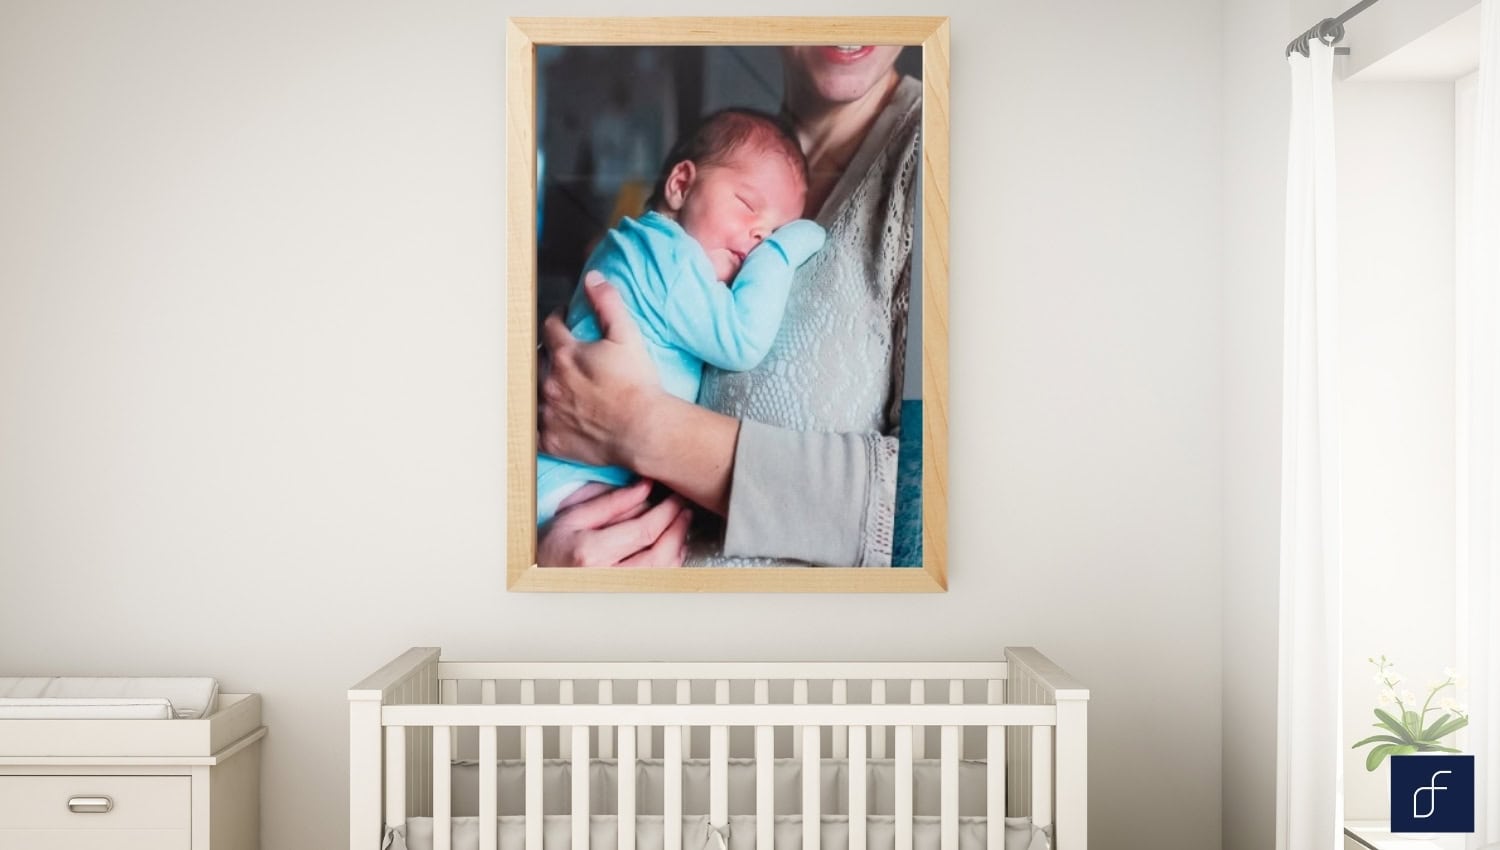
{"x":798,"y":240}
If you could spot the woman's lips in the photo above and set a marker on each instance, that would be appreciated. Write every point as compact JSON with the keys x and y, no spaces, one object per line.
{"x":845,"y":55}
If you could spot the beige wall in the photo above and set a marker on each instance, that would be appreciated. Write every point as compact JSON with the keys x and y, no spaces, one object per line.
{"x":251,"y":362}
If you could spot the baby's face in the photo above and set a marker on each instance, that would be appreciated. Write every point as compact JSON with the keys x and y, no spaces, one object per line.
{"x":729,"y":208}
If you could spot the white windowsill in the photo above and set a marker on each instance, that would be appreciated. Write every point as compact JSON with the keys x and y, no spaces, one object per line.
{"x":1377,"y":835}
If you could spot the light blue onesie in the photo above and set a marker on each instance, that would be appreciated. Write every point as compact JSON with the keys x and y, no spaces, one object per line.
{"x":687,"y":317}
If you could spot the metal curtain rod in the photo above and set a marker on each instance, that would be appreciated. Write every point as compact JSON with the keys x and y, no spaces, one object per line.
{"x":1328,"y":30}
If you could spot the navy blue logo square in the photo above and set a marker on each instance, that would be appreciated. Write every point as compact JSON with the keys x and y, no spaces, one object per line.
{"x":1432,"y":793}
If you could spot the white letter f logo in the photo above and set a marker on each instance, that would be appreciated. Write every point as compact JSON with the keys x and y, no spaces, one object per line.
{"x":1432,"y":788}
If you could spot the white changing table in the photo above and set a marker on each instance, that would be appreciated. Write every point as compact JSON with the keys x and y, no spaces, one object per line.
{"x":133,"y":784}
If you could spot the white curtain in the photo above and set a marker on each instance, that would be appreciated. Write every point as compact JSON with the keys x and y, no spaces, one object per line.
{"x":1309,"y":757}
{"x":1478,"y":303}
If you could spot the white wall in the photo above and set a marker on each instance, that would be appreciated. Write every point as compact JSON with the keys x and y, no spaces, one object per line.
{"x":1256,"y":105}
{"x":1396,"y":254}
{"x":252,"y":359}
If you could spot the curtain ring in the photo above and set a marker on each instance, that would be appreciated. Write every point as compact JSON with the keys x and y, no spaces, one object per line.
{"x":1330,"y":31}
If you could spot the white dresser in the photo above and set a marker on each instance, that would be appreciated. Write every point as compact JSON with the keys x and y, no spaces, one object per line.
{"x":133,"y":784}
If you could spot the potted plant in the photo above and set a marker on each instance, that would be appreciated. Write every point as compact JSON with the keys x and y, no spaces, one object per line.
{"x":1403,"y":728}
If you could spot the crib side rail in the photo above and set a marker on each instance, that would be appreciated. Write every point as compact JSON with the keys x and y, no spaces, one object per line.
{"x":721,"y":670}
{"x":410,"y":679}
{"x":909,"y":722}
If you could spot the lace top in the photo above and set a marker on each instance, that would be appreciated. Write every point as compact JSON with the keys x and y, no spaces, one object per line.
{"x":815,"y":469}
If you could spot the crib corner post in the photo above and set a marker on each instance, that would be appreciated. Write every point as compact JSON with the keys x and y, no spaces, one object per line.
{"x":1072,"y":755}
{"x":366,"y":824}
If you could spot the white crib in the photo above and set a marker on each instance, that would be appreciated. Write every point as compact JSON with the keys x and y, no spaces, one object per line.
{"x":568,"y":749}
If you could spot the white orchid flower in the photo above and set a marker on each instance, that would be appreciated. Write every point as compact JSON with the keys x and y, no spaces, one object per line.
{"x":1449,"y":704}
{"x":1386,"y":697}
{"x":1408,"y":696}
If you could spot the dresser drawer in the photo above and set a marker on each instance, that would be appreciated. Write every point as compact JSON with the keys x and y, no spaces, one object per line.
{"x":144,"y":811}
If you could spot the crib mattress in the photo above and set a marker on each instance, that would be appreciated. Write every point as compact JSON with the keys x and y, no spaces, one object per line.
{"x":557,"y":833}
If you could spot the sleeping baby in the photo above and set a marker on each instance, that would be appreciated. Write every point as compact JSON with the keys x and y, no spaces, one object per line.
{"x":705,"y":272}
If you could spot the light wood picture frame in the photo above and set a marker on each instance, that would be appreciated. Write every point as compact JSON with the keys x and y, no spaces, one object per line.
{"x":523,"y":38}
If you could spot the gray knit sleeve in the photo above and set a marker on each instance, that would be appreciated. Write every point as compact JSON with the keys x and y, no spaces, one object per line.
{"x":828,"y":499}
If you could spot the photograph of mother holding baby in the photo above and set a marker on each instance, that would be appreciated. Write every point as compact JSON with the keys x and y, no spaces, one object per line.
{"x":729,"y":289}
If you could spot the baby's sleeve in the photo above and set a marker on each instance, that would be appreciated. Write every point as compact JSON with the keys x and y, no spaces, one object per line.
{"x":732,"y":327}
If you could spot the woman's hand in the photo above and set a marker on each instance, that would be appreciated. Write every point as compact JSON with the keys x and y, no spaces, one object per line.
{"x":595,"y":392}
{"x":617,"y":529}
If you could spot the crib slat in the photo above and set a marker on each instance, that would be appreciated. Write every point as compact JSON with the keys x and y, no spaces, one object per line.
{"x":718,"y":776}
{"x":685,"y":697}
{"x":419,"y":746}
{"x":948,"y":787}
{"x":812,"y":781}
{"x":395,"y":776}
{"x":442,"y":792}
{"x":625,"y":805}
{"x":450,"y":697}
{"x":488,"y":689}
{"x":857,"y":790}
{"x":643,"y":733}
{"x":765,"y":778}
{"x":580,"y":736}
{"x":799,"y":697}
{"x":840,"y":734}
{"x":671,"y":827}
{"x":607,"y":733}
{"x":877,"y":733}
{"x":564,"y":733}
{"x":762,"y":696}
{"x":532,"y":745}
{"x":994,"y":789}
{"x":489,"y":753}
{"x":1041,"y":775}
{"x":956,"y":697}
{"x":719,"y":737}
{"x":903,"y":806}
{"x":919,"y":735}
{"x":528,"y":697}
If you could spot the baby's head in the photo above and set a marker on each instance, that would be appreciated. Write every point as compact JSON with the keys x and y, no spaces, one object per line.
{"x":737,"y":177}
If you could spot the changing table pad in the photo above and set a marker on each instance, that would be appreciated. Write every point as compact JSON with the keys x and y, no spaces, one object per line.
{"x":107,"y":697}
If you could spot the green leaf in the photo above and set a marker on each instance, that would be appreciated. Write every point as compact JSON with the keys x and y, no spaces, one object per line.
{"x":1430,"y":733}
{"x":1413,"y":720}
{"x":1396,"y":728}
{"x":1377,"y":755}
{"x":1390,"y":739}
{"x":1453,"y":725}
{"x":1431,"y":747}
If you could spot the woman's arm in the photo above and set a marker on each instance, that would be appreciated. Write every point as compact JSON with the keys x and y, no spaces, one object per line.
{"x":824,"y":498}
{"x":601,"y":404}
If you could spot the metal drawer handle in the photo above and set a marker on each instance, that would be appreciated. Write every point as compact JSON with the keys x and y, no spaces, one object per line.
{"x":90,"y":805}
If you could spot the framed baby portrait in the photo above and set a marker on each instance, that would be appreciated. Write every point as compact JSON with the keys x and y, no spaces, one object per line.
{"x":727,"y":304}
